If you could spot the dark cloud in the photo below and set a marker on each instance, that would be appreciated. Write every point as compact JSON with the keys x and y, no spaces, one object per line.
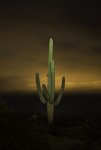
{"x":6,"y":53}
{"x":85,"y":13}
{"x":67,"y":45}
{"x":97,"y":49}
{"x":13,"y":83}
{"x":25,"y":29}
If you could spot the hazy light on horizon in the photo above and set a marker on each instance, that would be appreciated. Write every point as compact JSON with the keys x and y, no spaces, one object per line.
{"x":72,"y":85}
{"x":25,"y":29}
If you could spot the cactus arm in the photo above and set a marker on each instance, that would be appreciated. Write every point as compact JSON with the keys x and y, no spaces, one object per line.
{"x":42,"y":98}
{"x":61,"y":91}
{"x":45,"y":92}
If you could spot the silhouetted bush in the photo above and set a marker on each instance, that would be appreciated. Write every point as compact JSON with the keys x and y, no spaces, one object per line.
{"x":3,"y":107}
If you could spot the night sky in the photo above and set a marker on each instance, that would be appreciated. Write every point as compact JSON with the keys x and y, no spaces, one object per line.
{"x":25,"y":29}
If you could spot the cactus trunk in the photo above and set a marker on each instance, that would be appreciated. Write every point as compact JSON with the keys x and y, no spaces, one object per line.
{"x":50,"y":112}
{"x":51,"y":73}
{"x":46,"y":94}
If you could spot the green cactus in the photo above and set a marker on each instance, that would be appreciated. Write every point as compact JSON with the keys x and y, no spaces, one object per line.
{"x":46,"y":93}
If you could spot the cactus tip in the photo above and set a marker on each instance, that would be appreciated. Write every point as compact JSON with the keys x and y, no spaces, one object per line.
{"x":51,"y":39}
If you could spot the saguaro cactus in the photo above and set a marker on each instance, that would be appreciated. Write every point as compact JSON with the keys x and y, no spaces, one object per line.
{"x":46,"y":93}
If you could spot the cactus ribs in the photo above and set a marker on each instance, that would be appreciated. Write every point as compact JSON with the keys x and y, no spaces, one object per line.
{"x":46,"y":93}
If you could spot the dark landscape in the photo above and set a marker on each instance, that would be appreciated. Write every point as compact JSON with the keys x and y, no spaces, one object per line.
{"x":24,"y":126}
{"x":56,"y":44}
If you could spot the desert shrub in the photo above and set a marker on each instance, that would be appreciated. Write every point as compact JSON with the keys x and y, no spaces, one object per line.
{"x":3,"y":107}
{"x":82,"y":146}
{"x":19,"y":133}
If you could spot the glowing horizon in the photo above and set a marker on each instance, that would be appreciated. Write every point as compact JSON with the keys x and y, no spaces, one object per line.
{"x":24,"y":51}
{"x":72,"y":84}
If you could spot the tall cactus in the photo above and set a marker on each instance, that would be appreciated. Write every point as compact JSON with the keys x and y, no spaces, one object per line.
{"x":46,"y":93}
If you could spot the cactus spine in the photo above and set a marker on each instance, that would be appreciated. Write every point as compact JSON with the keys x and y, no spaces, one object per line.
{"x":46,"y":93}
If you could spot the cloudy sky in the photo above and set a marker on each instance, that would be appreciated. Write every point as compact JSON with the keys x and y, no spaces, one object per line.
{"x":25,"y":29}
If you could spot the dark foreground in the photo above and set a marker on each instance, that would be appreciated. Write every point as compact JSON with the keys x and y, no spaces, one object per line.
{"x":19,"y":131}
{"x":23,"y":123}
